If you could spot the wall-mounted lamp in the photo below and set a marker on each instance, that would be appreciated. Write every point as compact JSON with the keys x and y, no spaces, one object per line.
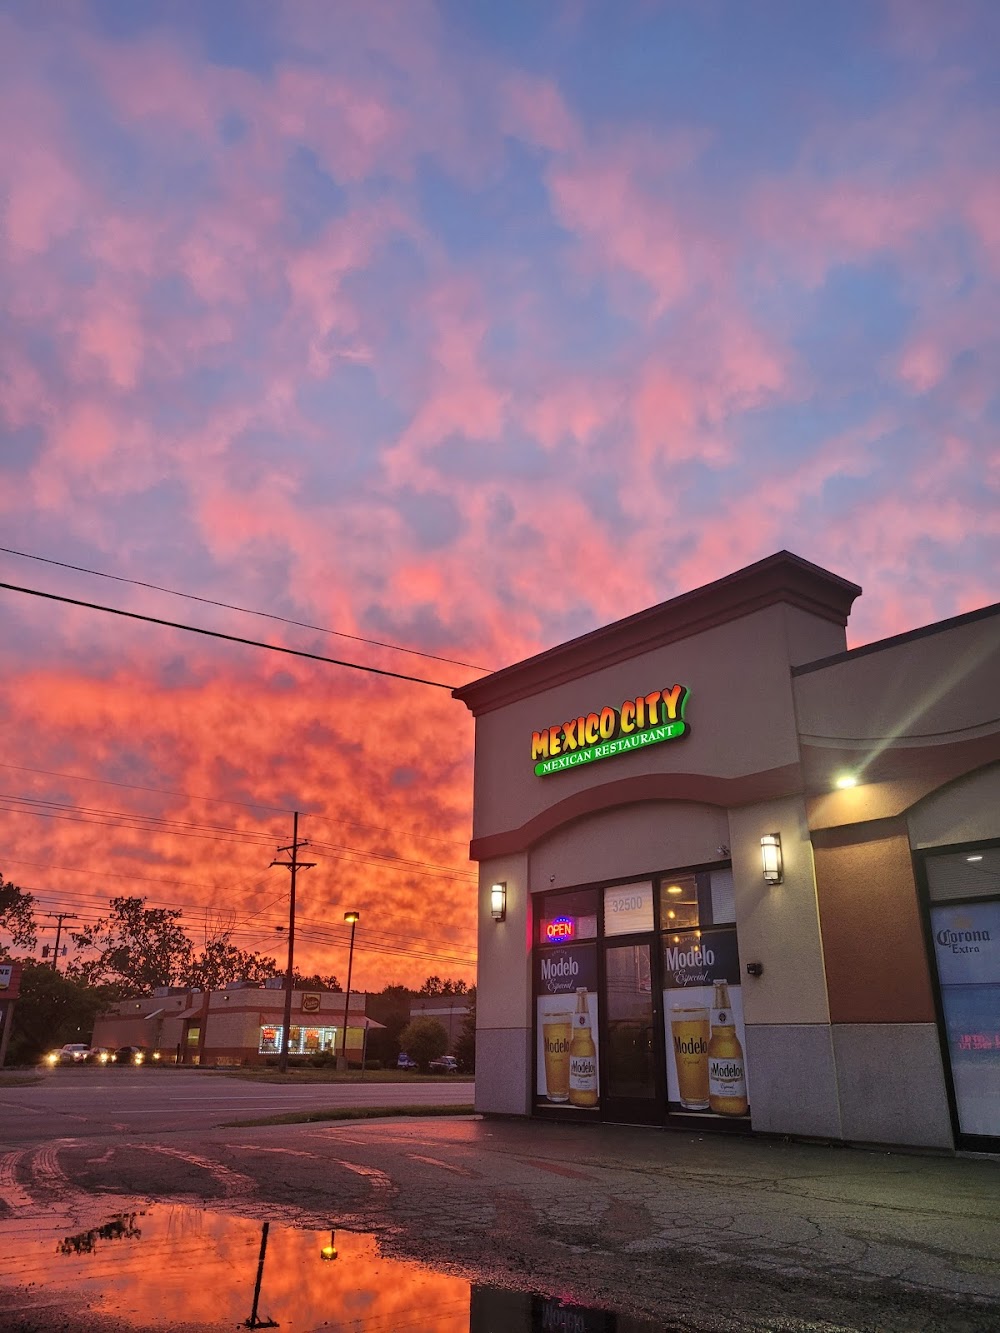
{"x":498,"y":901}
{"x":770,"y":855}
{"x":846,"y":780}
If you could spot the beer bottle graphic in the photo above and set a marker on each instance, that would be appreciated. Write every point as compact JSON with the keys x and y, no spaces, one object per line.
{"x":582,"y":1057}
{"x":727,"y":1083}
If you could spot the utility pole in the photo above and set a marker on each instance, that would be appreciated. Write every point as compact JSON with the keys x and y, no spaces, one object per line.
{"x":59,"y":918}
{"x":293,"y":864}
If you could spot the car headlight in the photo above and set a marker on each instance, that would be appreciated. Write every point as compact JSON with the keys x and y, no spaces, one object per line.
{"x":104,"y":1057}
{"x":156,"y":1055}
{"x":52,"y":1058}
{"x":138,"y":1057}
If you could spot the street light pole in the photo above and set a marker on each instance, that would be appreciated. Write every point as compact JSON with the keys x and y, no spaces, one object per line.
{"x":293,"y":864}
{"x":352,"y":917}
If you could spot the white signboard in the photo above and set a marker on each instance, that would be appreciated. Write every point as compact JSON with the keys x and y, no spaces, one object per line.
{"x":6,"y":971}
{"x":628,"y":908}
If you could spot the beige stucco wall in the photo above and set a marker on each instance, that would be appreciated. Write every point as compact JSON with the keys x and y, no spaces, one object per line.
{"x":916,"y":692}
{"x":739,"y":710}
{"x":503,"y":996}
{"x":778,"y":925}
{"x":629,"y":840}
{"x":967,"y":810}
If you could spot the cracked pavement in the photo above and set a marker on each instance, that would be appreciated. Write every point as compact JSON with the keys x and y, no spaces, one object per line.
{"x":694,"y":1232}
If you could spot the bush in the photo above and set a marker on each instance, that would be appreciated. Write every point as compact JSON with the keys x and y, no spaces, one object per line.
{"x":424,"y":1039}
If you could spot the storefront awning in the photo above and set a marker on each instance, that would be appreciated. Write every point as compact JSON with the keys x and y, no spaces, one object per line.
{"x":190,"y":1013}
{"x":155,"y":1014}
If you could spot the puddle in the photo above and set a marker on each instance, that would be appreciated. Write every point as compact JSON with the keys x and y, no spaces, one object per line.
{"x":170,"y":1266}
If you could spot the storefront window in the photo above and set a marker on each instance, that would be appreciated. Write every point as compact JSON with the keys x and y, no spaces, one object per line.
{"x":628,"y":908}
{"x":678,"y":901}
{"x":301,"y":1041}
{"x":566,"y":1013}
{"x":703,"y":1024}
{"x":966,"y":937}
{"x":567,"y":917}
{"x":701,"y":898}
{"x":603,"y":1045}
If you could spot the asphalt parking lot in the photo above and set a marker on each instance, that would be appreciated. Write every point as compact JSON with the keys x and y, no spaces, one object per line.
{"x":108,"y":1100}
{"x":693,"y":1232}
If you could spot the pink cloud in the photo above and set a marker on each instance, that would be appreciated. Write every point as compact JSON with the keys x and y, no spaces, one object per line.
{"x":111,"y":335}
{"x":534,"y":110}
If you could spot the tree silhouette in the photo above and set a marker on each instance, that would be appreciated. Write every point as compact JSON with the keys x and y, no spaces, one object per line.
{"x":17,"y":915}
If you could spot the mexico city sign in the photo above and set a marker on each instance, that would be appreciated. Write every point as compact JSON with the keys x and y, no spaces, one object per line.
{"x":648,"y":719}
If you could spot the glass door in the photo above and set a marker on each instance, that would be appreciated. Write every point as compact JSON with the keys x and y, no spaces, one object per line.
{"x":632,"y":1080}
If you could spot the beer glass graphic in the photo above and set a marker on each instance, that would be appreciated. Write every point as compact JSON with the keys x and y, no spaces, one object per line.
{"x":557,"y":1033}
{"x":689,"y":1033}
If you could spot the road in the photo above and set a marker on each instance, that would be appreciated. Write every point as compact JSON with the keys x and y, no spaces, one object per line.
{"x":693,"y":1232}
{"x":148,"y":1101}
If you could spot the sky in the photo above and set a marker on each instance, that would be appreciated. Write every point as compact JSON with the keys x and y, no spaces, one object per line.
{"x":466,"y":328}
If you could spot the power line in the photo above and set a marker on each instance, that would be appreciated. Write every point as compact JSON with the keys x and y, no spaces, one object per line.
{"x":120,"y":819}
{"x":134,"y":786}
{"x":80,"y":897}
{"x":94,"y":905}
{"x":228,"y":638}
{"x":104,"y":873}
{"x":245,"y":610}
{"x":224,"y":800}
{"x":168,"y":825}
{"x":318,"y":936}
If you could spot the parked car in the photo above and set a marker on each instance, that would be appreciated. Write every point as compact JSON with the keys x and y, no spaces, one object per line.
{"x":447,"y":1064}
{"x":404,"y":1062}
{"x":73,"y":1054}
{"x":131,"y":1055}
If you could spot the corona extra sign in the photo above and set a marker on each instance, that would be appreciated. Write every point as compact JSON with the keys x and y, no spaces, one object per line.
{"x":645,"y":720}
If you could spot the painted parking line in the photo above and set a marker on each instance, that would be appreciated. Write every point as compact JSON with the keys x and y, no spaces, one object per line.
{"x":445,"y":1166}
{"x":568,"y":1171}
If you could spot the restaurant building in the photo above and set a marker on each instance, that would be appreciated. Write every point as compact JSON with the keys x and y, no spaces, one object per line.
{"x":240,"y":1024}
{"x":735,"y":876}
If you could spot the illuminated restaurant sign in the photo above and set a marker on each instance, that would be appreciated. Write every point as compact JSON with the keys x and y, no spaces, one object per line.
{"x":646,"y":720}
{"x":560,"y":928}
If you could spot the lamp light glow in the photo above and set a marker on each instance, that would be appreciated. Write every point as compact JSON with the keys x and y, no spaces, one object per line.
{"x":846,"y":780}
{"x":498,"y":900}
{"x":771,"y":859}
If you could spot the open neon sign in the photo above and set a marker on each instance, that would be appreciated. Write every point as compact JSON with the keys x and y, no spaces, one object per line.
{"x":560,"y":928}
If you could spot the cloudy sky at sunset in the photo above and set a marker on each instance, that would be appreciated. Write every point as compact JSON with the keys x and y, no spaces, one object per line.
{"x":465,"y":327}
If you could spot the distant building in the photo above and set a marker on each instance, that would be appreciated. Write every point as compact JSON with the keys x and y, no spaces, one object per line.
{"x":449,"y":1010}
{"x":240,"y":1024}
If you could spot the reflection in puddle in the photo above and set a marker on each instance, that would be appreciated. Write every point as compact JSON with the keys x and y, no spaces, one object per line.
{"x":176,"y":1266}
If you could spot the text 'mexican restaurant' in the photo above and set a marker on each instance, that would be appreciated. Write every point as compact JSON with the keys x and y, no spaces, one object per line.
{"x":735,"y":876}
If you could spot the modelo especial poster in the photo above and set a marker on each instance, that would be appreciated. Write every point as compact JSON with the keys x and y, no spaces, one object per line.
{"x":703,"y":1022}
{"x":567,"y":1035}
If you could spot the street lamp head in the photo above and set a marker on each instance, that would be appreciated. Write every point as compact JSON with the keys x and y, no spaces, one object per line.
{"x":352,"y":917}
